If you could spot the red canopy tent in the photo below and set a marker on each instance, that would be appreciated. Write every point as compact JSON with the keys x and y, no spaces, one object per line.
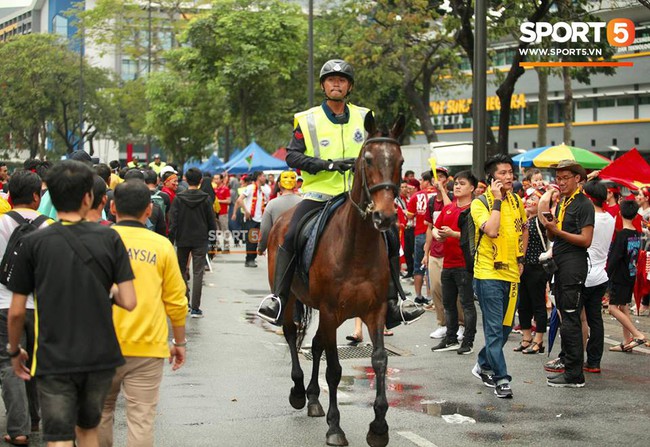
{"x":630,"y":169}
{"x":280,"y":154}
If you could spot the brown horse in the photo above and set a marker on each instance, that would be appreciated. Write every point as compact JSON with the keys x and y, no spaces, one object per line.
{"x":349,"y":277}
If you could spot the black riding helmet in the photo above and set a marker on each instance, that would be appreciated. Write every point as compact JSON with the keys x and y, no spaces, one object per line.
{"x":337,"y":67}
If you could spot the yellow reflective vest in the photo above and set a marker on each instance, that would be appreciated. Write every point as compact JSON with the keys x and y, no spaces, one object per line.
{"x":329,"y":141}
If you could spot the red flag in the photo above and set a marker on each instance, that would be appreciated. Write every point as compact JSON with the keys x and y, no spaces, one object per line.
{"x":630,"y":169}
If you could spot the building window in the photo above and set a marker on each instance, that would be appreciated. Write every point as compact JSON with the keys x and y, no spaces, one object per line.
{"x":585,"y":104}
{"x":530,"y":114}
{"x":606,"y":102}
{"x":627,"y":101}
{"x":644,"y":100}
{"x":129,"y":70}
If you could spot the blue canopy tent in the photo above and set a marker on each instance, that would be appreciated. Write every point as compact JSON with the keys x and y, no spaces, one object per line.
{"x":212,"y":165}
{"x":191,"y":163}
{"x":234,"y":154}
{"x":254,"y":158}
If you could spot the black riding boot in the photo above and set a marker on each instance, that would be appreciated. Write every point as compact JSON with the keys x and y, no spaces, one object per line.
{"x":397,"y":313}
{"x":272,"y":307}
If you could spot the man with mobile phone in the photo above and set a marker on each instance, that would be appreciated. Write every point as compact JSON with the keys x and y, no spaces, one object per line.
{"x":501,"y":237}
{"x":572,"y":230}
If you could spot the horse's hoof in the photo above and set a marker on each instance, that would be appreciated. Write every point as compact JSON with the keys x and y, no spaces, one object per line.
{"x":315,"y":410}
{"x":375,"y":440}
{"x":337,"y":439}
{"x":297,"y":401}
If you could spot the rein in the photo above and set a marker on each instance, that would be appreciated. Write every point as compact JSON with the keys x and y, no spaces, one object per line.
{"x":367,"y":199}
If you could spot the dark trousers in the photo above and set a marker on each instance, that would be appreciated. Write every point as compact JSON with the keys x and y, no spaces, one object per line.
{"x":198,"y":268}
{"x":409,"y":245}
{"x":569,"y":285}
{"x":303,"y":207}
{"x":593,"y":311}
{"x":457,"y":284}
{"x":532,"y":297}
{"x":252,"y":237}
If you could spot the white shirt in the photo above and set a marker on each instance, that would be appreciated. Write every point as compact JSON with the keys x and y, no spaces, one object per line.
{"x":7,"y":227}
{"x":603,"y":232}
{"x":248,"y":201}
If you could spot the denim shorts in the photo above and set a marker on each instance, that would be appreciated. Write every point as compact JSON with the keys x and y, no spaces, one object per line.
{"x":418,"y":254}
{"x":68,"y":400}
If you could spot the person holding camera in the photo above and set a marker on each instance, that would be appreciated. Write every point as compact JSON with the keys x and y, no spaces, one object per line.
{"x":571,"y":230}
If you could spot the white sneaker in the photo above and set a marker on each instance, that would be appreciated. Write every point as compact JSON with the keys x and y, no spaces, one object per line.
{"x":439,"y":333}
{"x":461,"y":332}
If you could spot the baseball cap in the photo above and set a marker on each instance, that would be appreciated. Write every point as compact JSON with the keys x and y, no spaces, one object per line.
{"x":288,"y":179}
{"x":167,"y":169}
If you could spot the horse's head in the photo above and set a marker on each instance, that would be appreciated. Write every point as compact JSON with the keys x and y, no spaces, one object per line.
{"x":379,"y":168}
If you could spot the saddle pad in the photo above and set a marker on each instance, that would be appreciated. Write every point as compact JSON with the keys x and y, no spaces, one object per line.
{"x":312,"y":226}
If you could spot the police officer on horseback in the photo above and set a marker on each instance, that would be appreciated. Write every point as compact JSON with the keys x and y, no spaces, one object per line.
{"x":326,"y":141}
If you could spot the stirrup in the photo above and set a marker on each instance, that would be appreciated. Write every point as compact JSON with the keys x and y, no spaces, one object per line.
{"x":401,"y":311}
{"x":275,"y":320}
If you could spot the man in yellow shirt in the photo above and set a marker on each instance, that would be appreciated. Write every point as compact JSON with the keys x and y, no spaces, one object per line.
{"x":499,"y":217}
{"x":142,"y":333}
{"x":156,"y":164}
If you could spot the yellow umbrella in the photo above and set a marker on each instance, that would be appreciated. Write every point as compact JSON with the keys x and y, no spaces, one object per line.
{"x":552,"y":156}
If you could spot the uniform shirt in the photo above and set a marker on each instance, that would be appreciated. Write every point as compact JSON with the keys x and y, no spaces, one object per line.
{"x":223,"y":193}
{"x":159,"y":287}
{"x":453,"y":255}
{"x":248,"y":193}
{"x":579,"y":214}
{"x":74,"y":326}
{"x":419,"y":205}
{"x":484,"y":265}
{"x":436,"y":249}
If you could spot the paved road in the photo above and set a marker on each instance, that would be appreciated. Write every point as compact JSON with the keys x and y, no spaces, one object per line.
{"x":234,"y":389}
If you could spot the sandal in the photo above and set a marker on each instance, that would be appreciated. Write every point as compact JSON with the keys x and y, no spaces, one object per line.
{"x":15,"y":441}
{"x":619,"y":348}
{"x":634,"y":343}
{"x":521,"y":346}
{"x":388,"y":333}
{"x":354,"y":339}
{"x":531,"y":349}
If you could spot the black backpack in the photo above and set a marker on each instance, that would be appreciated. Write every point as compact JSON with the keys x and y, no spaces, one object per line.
{"x":24,"y":227}
{"x":468,"y":242}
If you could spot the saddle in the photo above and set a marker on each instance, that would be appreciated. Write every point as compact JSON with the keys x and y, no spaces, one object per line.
{"x":310,"y":229}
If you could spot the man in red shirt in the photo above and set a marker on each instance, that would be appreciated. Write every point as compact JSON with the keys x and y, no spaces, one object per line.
{"x":418,"y":208}
{"x":222,"y":192}
{"x":456,"y":279}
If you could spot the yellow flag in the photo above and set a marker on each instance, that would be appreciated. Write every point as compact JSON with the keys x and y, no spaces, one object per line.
{"x":434,"y":167}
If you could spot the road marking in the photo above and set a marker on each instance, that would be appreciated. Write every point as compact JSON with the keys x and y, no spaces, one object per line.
{"x":415,"y":439}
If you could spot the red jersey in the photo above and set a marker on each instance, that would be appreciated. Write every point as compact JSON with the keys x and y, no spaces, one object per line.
{"x":222,"y":193}
{"x":418,"y":205}
{"x":453,"y":255}
{"x":437,"y":248}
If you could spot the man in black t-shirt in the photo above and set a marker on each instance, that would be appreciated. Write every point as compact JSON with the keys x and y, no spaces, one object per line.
{"x":571,"y":229}
{"x":76,"y":350}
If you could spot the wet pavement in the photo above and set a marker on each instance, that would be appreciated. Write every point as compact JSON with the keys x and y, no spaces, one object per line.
{"x":234,"y":389}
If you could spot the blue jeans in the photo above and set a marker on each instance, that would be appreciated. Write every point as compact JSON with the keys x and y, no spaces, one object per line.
{"x":493,"y":298}
{"x":418,"y":254}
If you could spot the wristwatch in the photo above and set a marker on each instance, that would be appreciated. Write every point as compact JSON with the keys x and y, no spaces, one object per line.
{"x":14,"y":354}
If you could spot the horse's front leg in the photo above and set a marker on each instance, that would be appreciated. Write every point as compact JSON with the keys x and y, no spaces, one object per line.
{"x":327,"y":327}
{"x":378,"y":432}
{"x":297,"y":395}
{"x":314,"y":408}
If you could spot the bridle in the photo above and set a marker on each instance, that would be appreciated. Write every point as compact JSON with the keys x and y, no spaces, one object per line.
{"x":367,"y":191}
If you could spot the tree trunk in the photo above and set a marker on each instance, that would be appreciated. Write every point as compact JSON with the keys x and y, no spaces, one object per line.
{"x":568,"y":105}
{"x":542,"y":106}
{"x":422,"y":112}
{"x":243,"y":117}
{"x":227,"y":149}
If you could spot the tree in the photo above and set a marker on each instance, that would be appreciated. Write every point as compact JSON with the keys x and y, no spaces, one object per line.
{"x":254,"y":51}
{"x":40,"y":94}
{"x":183,"y":113}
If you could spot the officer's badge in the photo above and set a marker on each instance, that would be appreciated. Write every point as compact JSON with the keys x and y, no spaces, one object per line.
{"x":324,"y":143}
{"x":358,"y":136}
{"x":336,"y":67}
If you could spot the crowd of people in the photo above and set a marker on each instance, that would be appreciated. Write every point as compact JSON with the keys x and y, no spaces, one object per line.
{"x":570,"y":241}
{"x":97,"y":259}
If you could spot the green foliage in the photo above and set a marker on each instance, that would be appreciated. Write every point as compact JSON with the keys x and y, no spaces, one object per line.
{"x":182,"y":113}
{"x":40,"y":94}
{"x":253,"y":51}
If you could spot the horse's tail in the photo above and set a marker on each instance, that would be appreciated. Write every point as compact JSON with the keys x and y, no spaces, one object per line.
{"x":305,"y":321}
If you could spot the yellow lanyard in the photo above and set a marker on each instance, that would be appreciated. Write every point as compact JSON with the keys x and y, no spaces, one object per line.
{"x":563,"y":206}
